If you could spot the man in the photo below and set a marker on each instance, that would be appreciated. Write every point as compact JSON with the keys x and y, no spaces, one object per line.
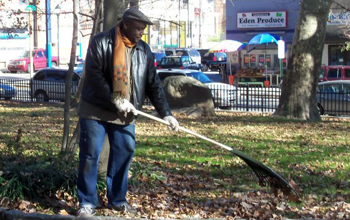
{"x":120,"y":72}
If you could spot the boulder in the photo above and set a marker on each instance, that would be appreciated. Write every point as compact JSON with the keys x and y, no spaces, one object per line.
{"x":185,"y":92}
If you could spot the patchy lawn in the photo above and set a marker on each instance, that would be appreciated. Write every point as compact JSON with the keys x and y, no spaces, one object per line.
{"x":176,"y":175}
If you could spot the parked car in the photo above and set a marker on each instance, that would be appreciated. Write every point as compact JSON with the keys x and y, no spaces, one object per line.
{"x":178,"y":62}
{"x":191,"y":52}
{"x":158,"y":57}
{"x":213,"y":61}
{"x":224,"y":95}
{"x":7,"y":92}
{"x":333,"y":97}
{"x":49,"y":84}
{"x":334,"y":73}
{"x":22,"y":64}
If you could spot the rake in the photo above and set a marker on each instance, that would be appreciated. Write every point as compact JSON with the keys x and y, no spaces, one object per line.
{"x":265,"y":174}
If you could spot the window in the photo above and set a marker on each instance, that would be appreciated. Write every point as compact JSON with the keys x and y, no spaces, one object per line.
{"x":346,"y":88}
{"x":332,"y":89}
{"x":56,"y":76}
{"x":333,"y":73}
{"x":252,"y":63}
{"x":168,"y":53}
{"x":268,"y":60}
{"x":337,"y":56}
{"x":39,"y":76}
{"x":75,"y":78}
{"x":40,"y":54}
{"x":261,"y":60}
{"x":347,"y":73}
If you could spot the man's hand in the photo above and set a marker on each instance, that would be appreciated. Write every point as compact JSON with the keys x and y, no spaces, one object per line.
{"x":173,"y":124}
{"x":124,"y":105}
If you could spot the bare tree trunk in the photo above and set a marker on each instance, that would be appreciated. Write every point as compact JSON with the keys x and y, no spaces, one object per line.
{"x":68,"y":82}
{"x":98,"y":21}
{"x":298,"y":98}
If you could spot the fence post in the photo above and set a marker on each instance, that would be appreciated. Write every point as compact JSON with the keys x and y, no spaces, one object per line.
{"x":247,"y":97}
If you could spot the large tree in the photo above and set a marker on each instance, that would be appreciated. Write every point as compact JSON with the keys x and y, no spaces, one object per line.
{"x":298,"y":98}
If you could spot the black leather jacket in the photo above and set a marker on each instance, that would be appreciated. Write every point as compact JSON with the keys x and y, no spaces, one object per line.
{"x":97,"y":88}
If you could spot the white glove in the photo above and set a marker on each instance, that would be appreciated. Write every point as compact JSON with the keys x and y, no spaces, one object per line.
{"x":124,"y":105}
{"x":173,"y":124}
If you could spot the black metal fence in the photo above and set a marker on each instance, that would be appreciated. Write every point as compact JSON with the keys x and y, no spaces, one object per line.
{"x":245,"y":98}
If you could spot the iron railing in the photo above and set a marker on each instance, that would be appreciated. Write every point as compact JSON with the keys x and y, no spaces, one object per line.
{"x":243,"y":98}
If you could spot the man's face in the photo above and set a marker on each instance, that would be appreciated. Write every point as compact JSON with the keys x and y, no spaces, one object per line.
{"x":133,"y":30}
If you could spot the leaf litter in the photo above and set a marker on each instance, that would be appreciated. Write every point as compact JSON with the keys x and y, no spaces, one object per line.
{"x":181,"y":188}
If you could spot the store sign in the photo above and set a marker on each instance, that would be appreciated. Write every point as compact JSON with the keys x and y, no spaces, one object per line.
{"x":276,"y":19}
{"x":339,"y":18}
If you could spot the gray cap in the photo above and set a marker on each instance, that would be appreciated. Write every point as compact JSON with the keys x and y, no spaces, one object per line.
{"x":133,"y":13}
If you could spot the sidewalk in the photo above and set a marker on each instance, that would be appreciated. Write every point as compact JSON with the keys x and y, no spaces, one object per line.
{"x":19,"y":215}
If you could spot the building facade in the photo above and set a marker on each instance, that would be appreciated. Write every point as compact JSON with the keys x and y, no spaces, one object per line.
{"x":247,"y":18}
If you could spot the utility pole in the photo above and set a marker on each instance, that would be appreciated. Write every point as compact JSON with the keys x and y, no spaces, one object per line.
{"x":178,"y":28}
{"x":48,"y":32}
{"x":35,"y":26}
{"x":200,"y":25}
{"x":188,"y":21}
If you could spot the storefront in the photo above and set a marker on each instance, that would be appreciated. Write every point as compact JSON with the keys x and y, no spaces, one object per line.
{"x":246,"y":19}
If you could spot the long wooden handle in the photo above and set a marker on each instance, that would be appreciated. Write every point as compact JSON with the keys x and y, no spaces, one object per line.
{"x":184,"y":130}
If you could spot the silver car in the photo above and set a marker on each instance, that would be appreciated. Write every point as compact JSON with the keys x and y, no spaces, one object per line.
{"x":333,"y":97}
{"x":49,"y":84}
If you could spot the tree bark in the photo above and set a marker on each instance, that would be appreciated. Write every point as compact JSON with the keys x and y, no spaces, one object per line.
{"x":298,"y":97}
{"x":97,"y":27}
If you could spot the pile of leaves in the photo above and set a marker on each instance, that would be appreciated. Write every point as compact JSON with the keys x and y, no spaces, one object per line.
{"x":175,"y":175}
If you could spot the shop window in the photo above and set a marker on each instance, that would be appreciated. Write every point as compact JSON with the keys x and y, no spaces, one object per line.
{"x":268,"y":61}
{"x":276,"y":62}
{"x":246,"y":60}
{"x":252,"y":61}
{"x":261,"y":62}
{"x":338,"y":57}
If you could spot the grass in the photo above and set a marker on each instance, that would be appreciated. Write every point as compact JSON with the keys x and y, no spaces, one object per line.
{"x":314,"y":155}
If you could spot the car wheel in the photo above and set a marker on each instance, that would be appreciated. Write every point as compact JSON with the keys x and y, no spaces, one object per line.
{"x":41,"y":96}
{"x":320,"y":109}
{"x":53,"y":64}
{"x":13,"y":71}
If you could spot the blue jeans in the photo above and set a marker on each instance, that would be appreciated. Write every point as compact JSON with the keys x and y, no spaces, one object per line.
{"x":122,"y":146}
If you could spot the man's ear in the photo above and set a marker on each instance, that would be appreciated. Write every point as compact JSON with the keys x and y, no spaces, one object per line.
{"x":125,"y":26}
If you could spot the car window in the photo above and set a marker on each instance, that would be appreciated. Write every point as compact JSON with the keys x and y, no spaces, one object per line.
{"x":186,"y":59}
{"x":168,"y":53}
{"x":75,"y":77}
{"x":332,"y":89}
{"x":182,"y":53}
{"x":56,"y":76}
{"x":165,"y":61}
{"x":200,"y":77}
{"x":346,"y":89}
{"x":40,"y":54}
{"x":347,"y":72}
{"x":333,"y":73}
{"x":194,"y":52}
{"x":39,"y":75}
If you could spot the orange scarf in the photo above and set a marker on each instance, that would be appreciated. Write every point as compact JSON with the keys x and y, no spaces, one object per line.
{"x":120,"y":70}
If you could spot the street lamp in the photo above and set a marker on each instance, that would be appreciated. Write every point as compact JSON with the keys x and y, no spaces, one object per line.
{"x":58,"y":11}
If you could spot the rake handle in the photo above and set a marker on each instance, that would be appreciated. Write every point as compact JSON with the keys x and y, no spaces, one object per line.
{"x":184,"y":130}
